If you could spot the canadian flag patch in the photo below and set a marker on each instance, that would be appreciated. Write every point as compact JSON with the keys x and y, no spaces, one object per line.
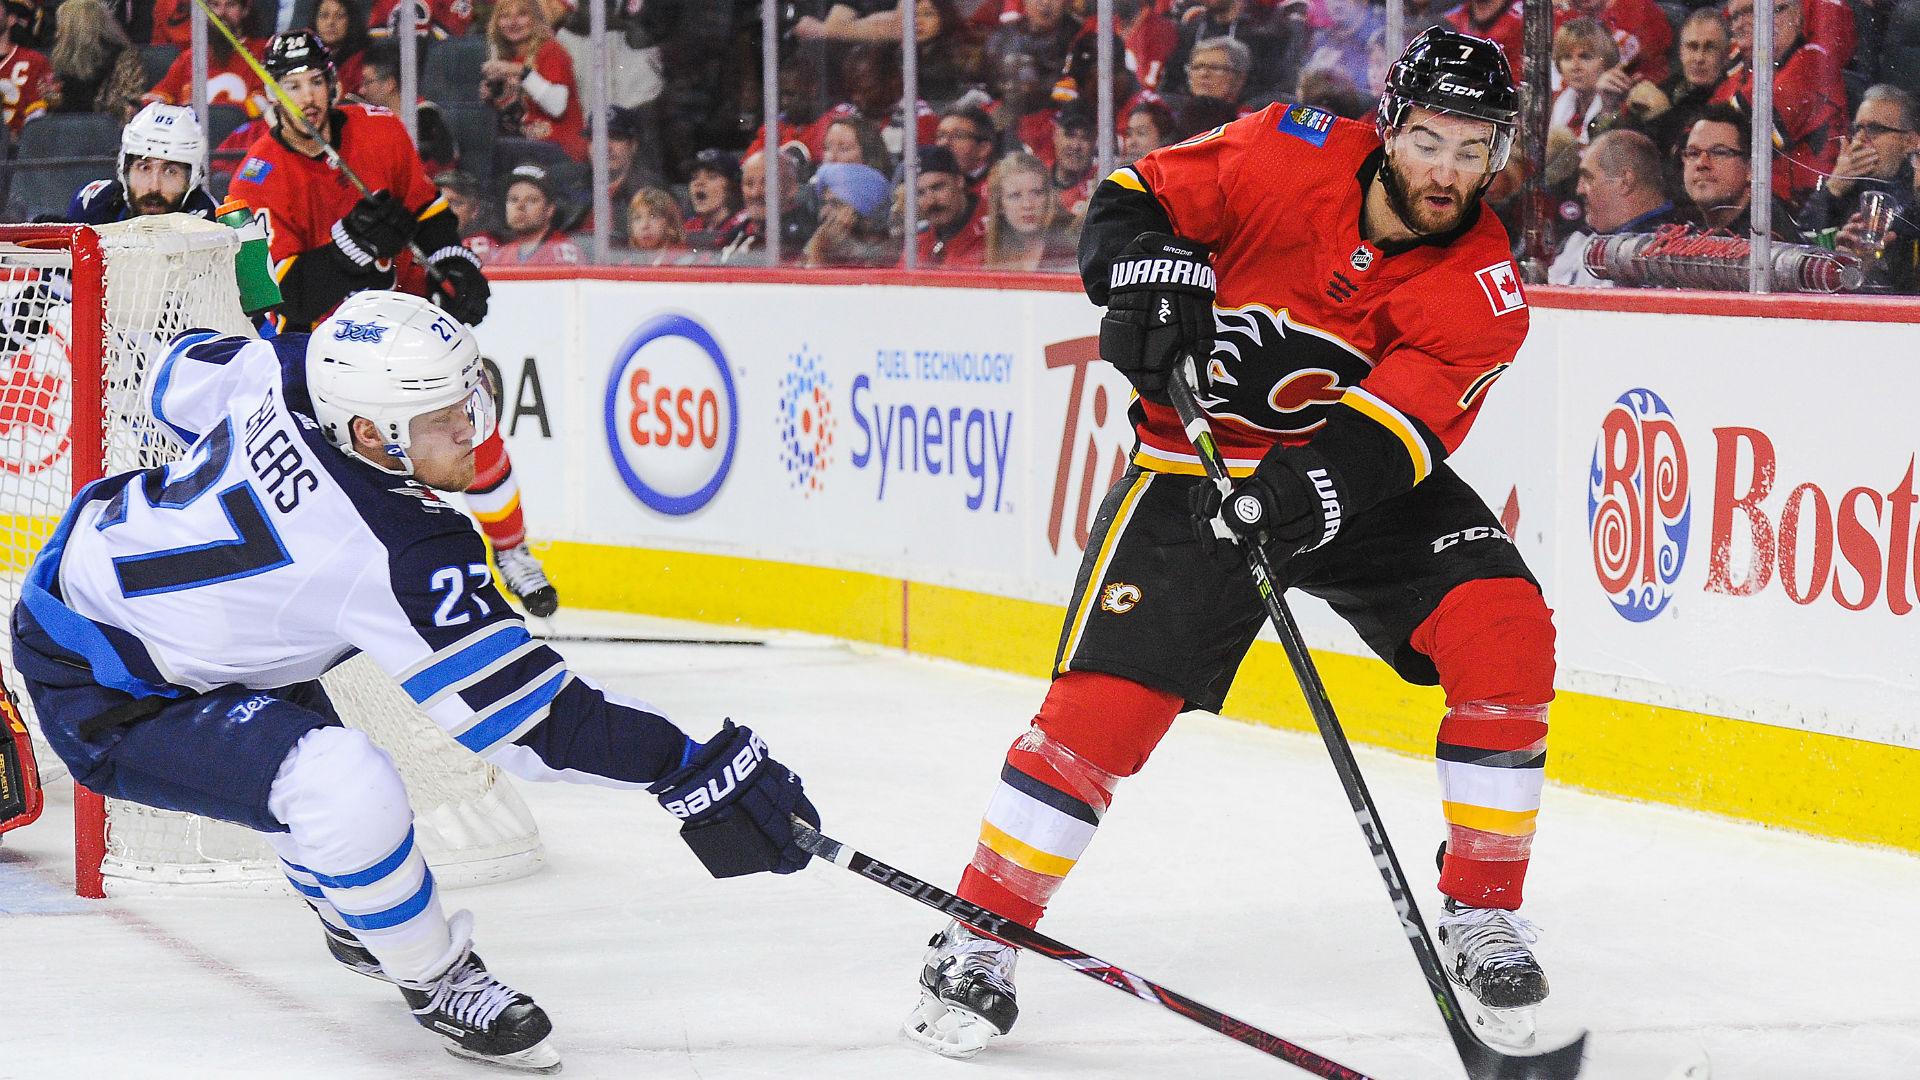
{"x":1502,"y":285}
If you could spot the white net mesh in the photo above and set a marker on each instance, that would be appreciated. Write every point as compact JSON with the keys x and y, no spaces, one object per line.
{"x":165,"y":275}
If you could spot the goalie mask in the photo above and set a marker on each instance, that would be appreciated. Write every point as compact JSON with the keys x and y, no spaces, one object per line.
{"x":389,"y":357}
{"x":167,"y":132}
{"x":1451,"y":72}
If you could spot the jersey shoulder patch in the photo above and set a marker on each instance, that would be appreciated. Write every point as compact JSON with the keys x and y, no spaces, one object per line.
{"x":1306,"y":123}
{"x":255,"y":169}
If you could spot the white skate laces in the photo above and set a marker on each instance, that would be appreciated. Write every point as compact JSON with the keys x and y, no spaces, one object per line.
{"x":479,"y":1017}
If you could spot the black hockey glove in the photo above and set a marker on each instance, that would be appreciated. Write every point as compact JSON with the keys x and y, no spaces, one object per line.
{"x":1159,"y":308}
{"x":465,"y":291}
{"x":1291,"y":501}
{"x":734,"y":801}
{"x":377,"y":227}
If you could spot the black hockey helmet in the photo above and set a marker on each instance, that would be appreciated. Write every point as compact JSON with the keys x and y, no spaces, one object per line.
{"x":298,"y":50}
{"x":1447,"y":71}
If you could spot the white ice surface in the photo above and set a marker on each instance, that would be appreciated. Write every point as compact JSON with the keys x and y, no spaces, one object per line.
{"x":1230,"y":870}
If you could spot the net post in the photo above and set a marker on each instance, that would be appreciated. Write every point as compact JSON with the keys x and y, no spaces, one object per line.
{"x":89,"y":464}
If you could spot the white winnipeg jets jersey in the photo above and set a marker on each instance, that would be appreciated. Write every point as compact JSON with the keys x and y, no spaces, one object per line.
{"x":263,"y":556}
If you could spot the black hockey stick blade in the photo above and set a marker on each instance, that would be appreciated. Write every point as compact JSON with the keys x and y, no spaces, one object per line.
{"x":1481,"y":1061}
{"x":833,"y":851}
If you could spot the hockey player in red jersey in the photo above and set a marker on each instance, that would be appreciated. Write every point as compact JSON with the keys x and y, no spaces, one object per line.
{"x":328,"y":241}
{"x":1365,"y":303}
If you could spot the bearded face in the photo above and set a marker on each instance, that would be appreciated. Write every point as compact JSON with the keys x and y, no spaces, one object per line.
{"x":1437,"y":165}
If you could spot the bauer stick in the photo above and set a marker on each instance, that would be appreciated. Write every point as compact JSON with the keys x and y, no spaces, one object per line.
{"x":833,"y":851}
{"x":299,"y":120}
{"x":1482,"y":1062}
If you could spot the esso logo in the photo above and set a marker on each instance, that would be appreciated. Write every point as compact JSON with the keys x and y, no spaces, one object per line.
{"x":1638,"y":506}
{"x":672,"y":415}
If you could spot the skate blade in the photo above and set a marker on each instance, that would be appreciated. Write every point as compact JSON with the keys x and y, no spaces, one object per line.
{"x":1504,"y":1029}
{"x":541,"y":1057}
{"x":946,"y":1030}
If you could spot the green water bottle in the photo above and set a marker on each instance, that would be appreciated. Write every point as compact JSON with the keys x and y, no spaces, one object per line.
{"x":252,"y":266}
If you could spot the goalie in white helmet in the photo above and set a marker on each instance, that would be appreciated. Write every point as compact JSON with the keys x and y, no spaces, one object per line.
{"x":162,"y":170}
{"x":172,"y":633}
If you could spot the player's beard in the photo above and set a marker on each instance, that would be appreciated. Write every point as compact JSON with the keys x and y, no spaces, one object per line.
{"x":1412,"y":210}
{"x":156,"y":203}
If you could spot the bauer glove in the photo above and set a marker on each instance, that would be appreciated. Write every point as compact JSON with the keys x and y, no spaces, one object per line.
{"x":463,"y":292}
{"x":377,"y":228}
{"x":1291,"y":501}
{"x":734,"y":802}
{"x":1159,"y":308}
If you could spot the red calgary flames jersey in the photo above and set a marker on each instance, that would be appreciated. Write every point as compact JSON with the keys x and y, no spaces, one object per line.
{"x":302,"y":197}
{"x":1309,"y":316}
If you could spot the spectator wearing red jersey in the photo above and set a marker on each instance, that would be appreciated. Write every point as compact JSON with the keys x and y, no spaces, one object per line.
{"x":1150,"y":38}
{"x":713,"y":192}
{"x":952,"y":232}
{"x":1809,"y":100}
{"x":872,"y":84}
{"x":1639,"y":27}
{"x":1071,"y":175}
{"x":230,"y":80}
{"x":342,"y":27}
{"x":1023,"y":109}
{"x":25,"y":76}
{"x":531,"y":205}
{"x":529,"y":79}
{"x":1498,"y":21}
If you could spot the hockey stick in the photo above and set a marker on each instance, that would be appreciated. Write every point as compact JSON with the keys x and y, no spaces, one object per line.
{"x":833,"y":851}
{"x":299,"y":120}
{"x":1482,"y":1062}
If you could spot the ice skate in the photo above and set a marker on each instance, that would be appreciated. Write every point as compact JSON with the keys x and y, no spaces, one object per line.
{"x":1486,"y":951}
{"x":482,"y":1018}
{"x":966,"y":993}
{"x":347,"y":949}
{"x":527,"y":579}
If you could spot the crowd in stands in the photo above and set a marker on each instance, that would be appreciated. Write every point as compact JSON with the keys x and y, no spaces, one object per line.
{"x":1649,"y":118}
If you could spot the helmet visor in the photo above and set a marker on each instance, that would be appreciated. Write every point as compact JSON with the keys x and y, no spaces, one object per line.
{"x":1439,"y":139}
{"x":482,"y":414}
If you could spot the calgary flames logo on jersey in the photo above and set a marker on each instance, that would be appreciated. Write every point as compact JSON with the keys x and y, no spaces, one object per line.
{"x":1275,"y":374}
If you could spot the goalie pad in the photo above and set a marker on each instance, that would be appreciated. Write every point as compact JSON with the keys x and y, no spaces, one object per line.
{"x":20,"y":799}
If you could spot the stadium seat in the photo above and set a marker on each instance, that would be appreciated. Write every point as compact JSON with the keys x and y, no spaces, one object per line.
{"x":156,"y":59}
{"x":475,"y":127}
{"x":58,"y":154}
{"x":451,"y":72}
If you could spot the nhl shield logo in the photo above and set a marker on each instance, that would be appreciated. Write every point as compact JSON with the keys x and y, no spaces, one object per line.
{"x":1361,"y":258}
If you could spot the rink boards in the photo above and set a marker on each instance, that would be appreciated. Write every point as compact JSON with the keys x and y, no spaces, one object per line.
{"x":1719,"y":504}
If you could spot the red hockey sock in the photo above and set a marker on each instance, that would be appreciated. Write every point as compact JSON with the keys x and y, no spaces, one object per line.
{"x":494,"y":495}
{"x":1056,"y":785}
{"x":1492,"y":643}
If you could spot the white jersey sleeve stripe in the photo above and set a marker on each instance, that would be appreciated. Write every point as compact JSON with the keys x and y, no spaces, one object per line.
{"x":509,"y":718}
{"x":465,"y":660}
{"x":163,"y":378}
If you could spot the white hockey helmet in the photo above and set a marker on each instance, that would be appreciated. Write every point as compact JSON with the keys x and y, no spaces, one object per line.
{"x":391,"y":356}
{"x":167,"y":132}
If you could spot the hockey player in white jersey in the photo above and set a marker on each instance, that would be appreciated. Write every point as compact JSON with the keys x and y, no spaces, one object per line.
{"x":173,"y":630}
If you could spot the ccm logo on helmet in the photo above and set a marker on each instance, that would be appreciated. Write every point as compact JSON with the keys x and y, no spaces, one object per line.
{"x":1448,"y":86}
{"x":1157,"y":271}
{"x":714,"y":791}
{"x":348,"y":330}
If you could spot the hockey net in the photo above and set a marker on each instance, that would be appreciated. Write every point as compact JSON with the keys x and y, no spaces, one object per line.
{"x":81,"y":312}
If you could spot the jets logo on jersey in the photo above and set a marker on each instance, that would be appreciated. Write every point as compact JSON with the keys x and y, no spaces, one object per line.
{"x":360,"y":331}
{"x":1306,"y":123}
{"x":1119,"y":597}
{"x":1502,"y":287}
{"x":1275,"y":374}
{"x":427,"y":498}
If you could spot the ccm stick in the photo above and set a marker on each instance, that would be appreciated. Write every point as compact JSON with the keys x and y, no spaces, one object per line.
{"x":1482,"y":1062}
{"x":1033,"y":941}
{"x":299,"y":120}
